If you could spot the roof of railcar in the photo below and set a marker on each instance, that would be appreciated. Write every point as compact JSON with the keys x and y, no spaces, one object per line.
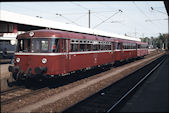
{"x":44,"y":33}
{"x":34,"y":21}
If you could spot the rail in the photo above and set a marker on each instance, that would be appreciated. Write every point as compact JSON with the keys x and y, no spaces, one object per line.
{"x":29,"y":93}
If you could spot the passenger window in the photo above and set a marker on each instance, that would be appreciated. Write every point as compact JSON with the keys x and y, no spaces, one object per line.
{"x":89,"y":47}
{"x":74,"y":47}
{"x":118,"y":46}
{"x":109,"y":47}
{"x":138,"y":46}
{"x":82,"y":47}
{"x":99,"y":47}
{"x":95,"y":47}
{"x":102,"y":47}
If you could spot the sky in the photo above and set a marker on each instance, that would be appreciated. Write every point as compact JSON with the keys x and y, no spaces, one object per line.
{"x":134,"y":18}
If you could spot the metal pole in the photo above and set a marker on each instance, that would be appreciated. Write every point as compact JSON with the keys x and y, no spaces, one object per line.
{"x":135,"y":32}
{"x":89,"y":18}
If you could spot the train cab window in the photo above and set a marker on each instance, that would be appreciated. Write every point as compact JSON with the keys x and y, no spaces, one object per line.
{"x":24,"y":45}
{"x":40,"y":45}
{"x":55,"y":45}
{"x":44,"y":45}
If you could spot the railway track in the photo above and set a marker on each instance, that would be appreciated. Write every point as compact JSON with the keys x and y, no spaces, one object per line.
{"x":26,"y":89}
{"x":18,"y":94}
{"x":111,"y":98}
{"x":20,"y":90}
{"x":12,"y":89}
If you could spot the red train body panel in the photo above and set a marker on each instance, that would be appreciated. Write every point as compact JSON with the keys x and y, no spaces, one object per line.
{"x":54,"y":52}
{"x":59,"y":64}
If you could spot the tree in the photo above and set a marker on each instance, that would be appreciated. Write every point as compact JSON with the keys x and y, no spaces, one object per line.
{"x":164,"y":40}
{"x":146,"y":39}
{"x":158,"y":42}
{"x":161,"y":41}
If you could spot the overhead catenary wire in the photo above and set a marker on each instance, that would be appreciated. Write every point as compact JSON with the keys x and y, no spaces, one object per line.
{"x":98,"y":17}
{"x":80,"y":17}
{"x":80,"y":5}
{"x":67,"y":18}
{"x":158,"y":11}
{"x":107,"y":18}
{"x":157,"y":27}
{"x":135,"y":23}
{"x":156,"y":19}
{"x":93,"y":12}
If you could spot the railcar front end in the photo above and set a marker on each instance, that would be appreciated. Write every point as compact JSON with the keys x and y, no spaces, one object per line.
{"x":35,"y":56}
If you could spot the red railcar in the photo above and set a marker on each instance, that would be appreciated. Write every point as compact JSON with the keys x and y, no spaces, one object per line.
{"x":54,"y":52}
{"x":142,"y":49}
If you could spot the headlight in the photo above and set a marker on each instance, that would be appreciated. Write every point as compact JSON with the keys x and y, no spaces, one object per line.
{"x":44,"y":60}
{"x":13,"y":42}
{"x":17,"y":59}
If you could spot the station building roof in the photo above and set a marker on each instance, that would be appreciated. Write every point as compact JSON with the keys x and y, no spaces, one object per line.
{"x":40,"y":22}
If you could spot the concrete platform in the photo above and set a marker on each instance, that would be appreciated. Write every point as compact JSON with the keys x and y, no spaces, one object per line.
{"x":4,"y":70}
{"x":153,"y":96}
{"x":4,"y":76}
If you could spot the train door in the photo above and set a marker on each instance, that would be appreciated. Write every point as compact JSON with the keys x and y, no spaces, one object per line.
{"x":136,"y":49}
{"x":123,"y":54}
{"x":24,"y":45}
{"x":121,"y":51}
{"x":113,"y":48}
{"x":67,"y":54}
{"x":65,"y":57}
{"x":117,"y":51}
